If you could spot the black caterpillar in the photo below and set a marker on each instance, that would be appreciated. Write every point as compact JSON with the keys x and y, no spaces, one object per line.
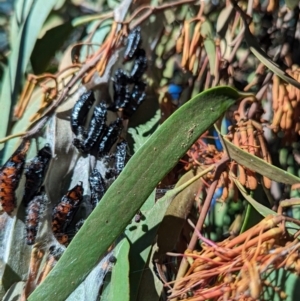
{"x":97,"y":187}
{"x":96,"y":128}
{"x":129,"y":90}
{"x":86,"y":139}
{"x":139,"y":67}
{"x":80,"y":110}
{"x":120,"y":159}
{"x":35,"y":172}
{"x":64,"y":211}
{"x":134,"y":41}
{"x":10,"y":174}
{"x":110,"y":137}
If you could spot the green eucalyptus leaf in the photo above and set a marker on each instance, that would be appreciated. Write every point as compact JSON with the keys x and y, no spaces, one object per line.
{"x":175,"y":216}
{"x":54,"y":19}
{"x":112,"y":4}
{"x":22,"y":47}
{"x":263,"y":210}
{"x":209,"y":44}
{"x":21,"y":10}
{"x":210,"y":49}
{"x":261,"y":54}
{"x":258,"y":165}
{"x":207,"y":30}
{"x":22,"y":124}
{"x":223,"y":20}
{"x":119,"y":282}
{"x":142,"y":238}
{"x":170,"y":16}
{"x":151,"y":287}
{"x":46,"y":47}
{"x":287,"y":281}
{"x":252,"y":216}
{"x":98,"y":36}
{"x":133,"y":186}
{"x":82,"y":20}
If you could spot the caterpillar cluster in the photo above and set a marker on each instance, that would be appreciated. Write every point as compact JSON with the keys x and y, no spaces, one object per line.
{"x":98,"y":133}
{"x":10,"y":174}
{"x":129,"y":89}
{"x":129,"y":93}
{"x":64,"y":211}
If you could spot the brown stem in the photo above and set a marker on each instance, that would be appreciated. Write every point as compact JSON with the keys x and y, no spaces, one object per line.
{"x":36,"y":128}
{"x":220,"y":166}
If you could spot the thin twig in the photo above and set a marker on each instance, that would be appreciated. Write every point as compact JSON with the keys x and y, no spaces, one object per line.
{"x":219,"y":169}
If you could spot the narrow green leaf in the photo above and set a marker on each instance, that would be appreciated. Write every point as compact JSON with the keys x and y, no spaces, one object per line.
{"x":263,"y":210}
{"x":210,"y":49}
{"x":21,"y":124}
{"x":207,"y":30}
{"x":21,"y":11}
{"x":141,"y":235}
{"x":209,"y":45}
{"x":252,"y":216}
{"x":98,"y":36}
{"x":223,"y":20}
{"x":151,"y":287}
{"x":175,"y":216}
{"x":260,"y":166}
{"x":133,"y":186}
{"x":46,"y":47}
{"x":170,"y":16}
{"x":22,"y":48}
{"x":119,"y":286}
{"x":287,"y":281}
{"x":113,"y":3}
{"x":262,"y":55}
{"x":87,"y":19}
